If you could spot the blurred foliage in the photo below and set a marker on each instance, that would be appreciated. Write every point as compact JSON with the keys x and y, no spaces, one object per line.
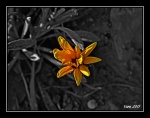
{"x":32,"y":34}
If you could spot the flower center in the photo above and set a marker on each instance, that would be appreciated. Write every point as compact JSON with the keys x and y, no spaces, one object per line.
{"x":77,"y":61}
{"x":74,"y":63}
{"x":73,"y":60}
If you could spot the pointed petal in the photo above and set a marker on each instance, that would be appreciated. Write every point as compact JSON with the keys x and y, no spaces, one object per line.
{"x":80,"y":60}
{"x":64,"y":44}
{"x":63,"y":71}
{"x":61,"y":55}
{"x":77,"y":51}
{"x":89,"y":49}
{"x":84,"y":70}
{"x":90,"y":60}
{"x":78,"y":76}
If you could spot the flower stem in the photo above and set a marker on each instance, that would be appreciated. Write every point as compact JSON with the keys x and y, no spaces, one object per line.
{"x":32,"y":89}
{"x":24,"y":81}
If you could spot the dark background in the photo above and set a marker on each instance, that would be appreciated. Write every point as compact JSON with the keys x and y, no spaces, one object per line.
{"x":119,"y":74}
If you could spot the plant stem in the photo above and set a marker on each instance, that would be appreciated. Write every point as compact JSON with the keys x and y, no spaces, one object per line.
{"x":32,"y":88}
{"x":25,"y":83}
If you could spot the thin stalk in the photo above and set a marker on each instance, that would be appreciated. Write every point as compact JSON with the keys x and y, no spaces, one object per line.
{"x":25,"y":83}
{"x":32,"y":88}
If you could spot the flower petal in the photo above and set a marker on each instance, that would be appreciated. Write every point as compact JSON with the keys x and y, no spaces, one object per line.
{"x":64,"y":44}
{"x":89,"y":49}
{"x":78,"y":76}
{"x":84,"y":70}
{"x":63,"y":71}
{"x":70,"y":53}
{"x":77,"y":51}
{"x":90,"y":60}
{"x":80,"y":60}
{"x":61,"y":55}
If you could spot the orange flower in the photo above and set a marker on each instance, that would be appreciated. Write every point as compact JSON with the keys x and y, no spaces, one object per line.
{"x":73,"y":60}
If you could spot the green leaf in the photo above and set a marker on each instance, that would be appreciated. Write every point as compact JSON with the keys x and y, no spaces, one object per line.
{"x":74,"y":37}
{"x":21,"y":44}
{"x":87,"y":36}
